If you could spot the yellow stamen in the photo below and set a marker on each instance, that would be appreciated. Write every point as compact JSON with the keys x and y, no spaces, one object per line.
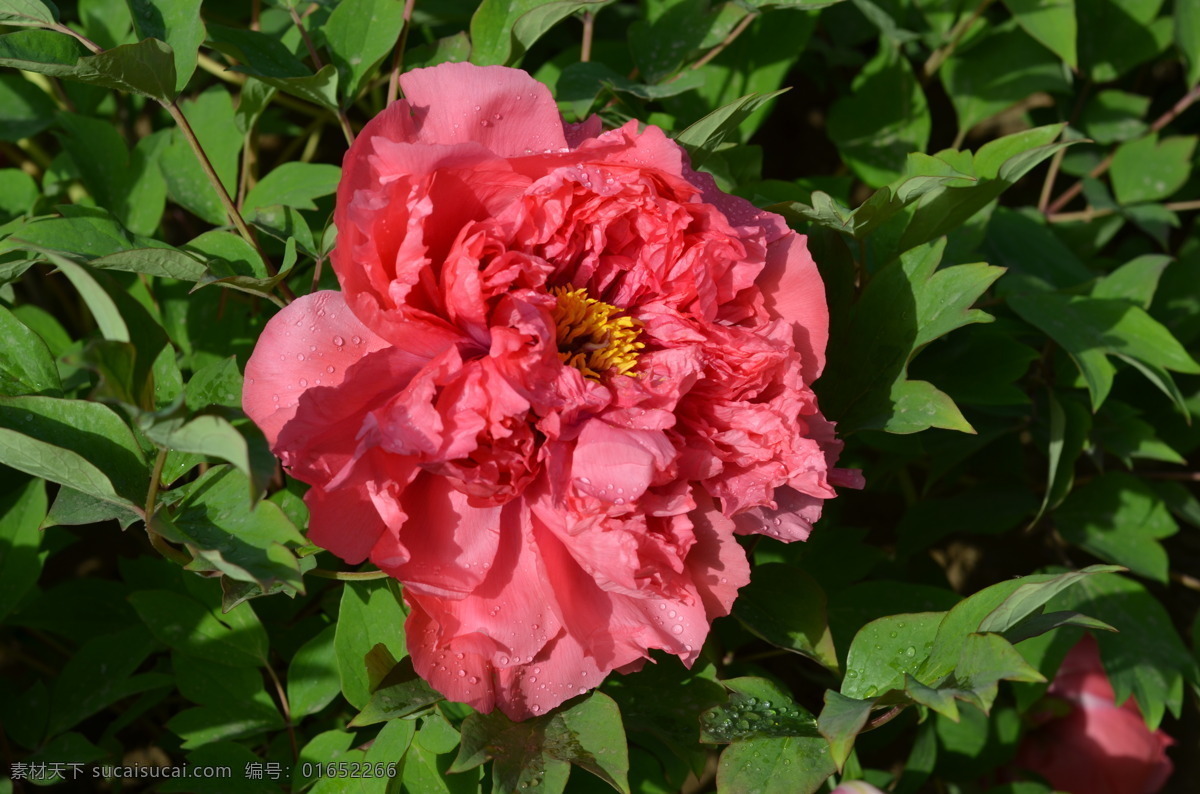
{"x":591,"y":338}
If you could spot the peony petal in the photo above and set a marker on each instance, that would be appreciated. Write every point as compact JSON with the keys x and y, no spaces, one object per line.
{"x":794,"y":291}
{"x":512,"y":614}
{"x":344,"y":521}
{"x":717,"y":563}
{"x":450,"y":543}
{"x":311,"y":343}
{"x":459,"y":673}
{"x":562,"y":670}
{"x":506,"y":110}
{"x":616,"y":465}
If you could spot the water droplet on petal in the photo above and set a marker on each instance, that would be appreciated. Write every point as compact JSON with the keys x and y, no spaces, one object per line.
{"x":299,"y":356}
{"x":356,"y":340}
{"x":677,"y":629}
{"x":330,"y":369}
{"x":303,"y":382}
{"x":337,"y":340}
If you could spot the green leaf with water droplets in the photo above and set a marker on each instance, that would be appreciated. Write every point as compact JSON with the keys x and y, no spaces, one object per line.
{"x":535,"y":754}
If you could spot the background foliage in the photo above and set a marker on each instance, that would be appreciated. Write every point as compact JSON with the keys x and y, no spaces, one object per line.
{"x":1001,"y":198}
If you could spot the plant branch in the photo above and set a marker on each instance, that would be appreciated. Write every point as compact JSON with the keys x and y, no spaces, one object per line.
{"x":733,"y":34}
{"x":91,"y":45}
{"x":1093,"y":213}
{"x":347,"y":576}
{"x":285,"y":708}
{"x":1074,"y":190}
{"x":231,"y":209}
{"x":589,"y":29}
{"x":160,"y":543}
{"x":939,"y":56}
{"x":398,"y":56}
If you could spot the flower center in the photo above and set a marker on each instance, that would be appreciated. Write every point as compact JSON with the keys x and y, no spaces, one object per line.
{"x":591,"y":337}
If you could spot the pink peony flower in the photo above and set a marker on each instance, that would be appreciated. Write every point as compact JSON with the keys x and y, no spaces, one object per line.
{"x":1097,"y":747}
{"x":563,"y":372}
{"x":856,"y":787}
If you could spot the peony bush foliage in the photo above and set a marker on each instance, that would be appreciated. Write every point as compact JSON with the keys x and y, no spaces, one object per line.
{"x":578,"y":395}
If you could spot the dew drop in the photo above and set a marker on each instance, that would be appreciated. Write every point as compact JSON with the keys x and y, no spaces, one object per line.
{"x":535,"y":708}
{"x":312,"y":348}
{"x":677,"y":629}
{"x":474,"y":679}
{"x":275,"y":397}
{"x":671,"y":614}
{"x":485,"y":123}
{"x":299,"y":356}
{"x":303,"y":382}
{"x":462,"y":673}
{"x":356,"y":340}
{"x":533,"y":679}
{"x":497,"y":116}
{"x":331,"y":369}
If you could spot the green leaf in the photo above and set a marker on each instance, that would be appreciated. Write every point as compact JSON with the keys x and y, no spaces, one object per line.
{"x":502,"y":30}
{"x":703,"y":137}
{"x":89,"y":235}
{"x":21,"y":512}
{"x":214,"y":436}
{"x":162,"y":262}
{"x":1145,"y":657}
{"x":83,"y":445}
{"x":399,"y":694}
{"x":294,"y":185}
{"x":906,"y":305}
{"x":26,"y":366}
{"x":99,"y":674}
{"x":312,"y":679}
{"x":997,"y":608}
{"x":783,"y":605}
{"x":1187,"y":36}
{"x":186,"y":625}
{"x":1052,"y":22}
{"x":273,"y":63}
{"x":215,"y":522}
{"x":1091,"y":329}
{"x":104,"y":310}
{"x":41,"y":51}
{"x":1114,"y":116}
{"x":534,"y":754}
{"x":370,"y":614}
{"x":28,"y":12}
{"x":1147,"y":169}
{"x":27,"y":109}
{"x":999,"y":69}
{"x":887,"y":649}
{"x":1036,"y":625}
{"x":129,"y":184}
{"x":176,"y":22}
{"x":755,"y":708}
{"x":788,"y":765}
{"x":882,"y":119}
{"x":211,"y":117}
{"x":840,"y":721}
{"x":1119,"y":518}
{"x":219,"y":383}
{"x":146,"y":68}
{"x":1069,"y":425}
{"x":1135,"y":281}
{"x":1116,"y":35}
{"x":999,"y":164}
{"x":360,"y":35}
{"x":233,"y":255}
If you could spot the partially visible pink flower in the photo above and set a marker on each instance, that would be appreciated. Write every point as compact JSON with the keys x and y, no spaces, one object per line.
{"x":856,"y":787}
{"x":564,"y":371}
{"x":1097,"y":747}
